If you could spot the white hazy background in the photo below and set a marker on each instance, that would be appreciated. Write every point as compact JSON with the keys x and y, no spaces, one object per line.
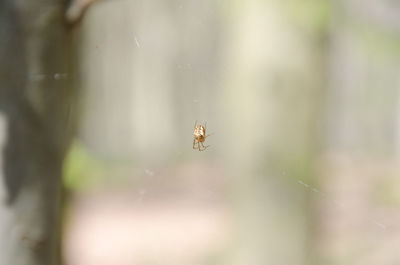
{"x":301,"y":97}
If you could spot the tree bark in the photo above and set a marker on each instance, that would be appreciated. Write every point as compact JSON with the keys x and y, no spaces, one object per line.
{"x":36,"y":96}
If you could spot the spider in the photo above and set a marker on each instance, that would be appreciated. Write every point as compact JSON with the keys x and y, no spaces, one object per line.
{"x":200,"y":136}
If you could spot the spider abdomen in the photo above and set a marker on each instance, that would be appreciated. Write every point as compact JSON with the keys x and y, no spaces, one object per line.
{"x":200,"y":136}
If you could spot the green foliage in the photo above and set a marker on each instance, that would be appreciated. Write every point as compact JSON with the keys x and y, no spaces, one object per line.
{"x":312,"y":15}
{"x":375,"y":41}
{"x":82,"y":169}
{"x":386,"y":191}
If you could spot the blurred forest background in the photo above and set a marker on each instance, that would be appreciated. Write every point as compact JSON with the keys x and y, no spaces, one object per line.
{"x":302,"y":99}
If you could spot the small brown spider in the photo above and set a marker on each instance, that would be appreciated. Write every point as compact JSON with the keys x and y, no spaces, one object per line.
{"x":200,"y":136}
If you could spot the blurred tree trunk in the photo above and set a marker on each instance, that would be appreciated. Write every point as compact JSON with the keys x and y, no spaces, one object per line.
{"x":272,"y":109}
{"x":158,"y":69}
{"x":35,"y":128}
{"x":361,"y":137}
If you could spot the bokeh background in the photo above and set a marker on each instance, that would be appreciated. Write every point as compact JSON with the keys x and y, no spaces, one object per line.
{"x":302,"y":99}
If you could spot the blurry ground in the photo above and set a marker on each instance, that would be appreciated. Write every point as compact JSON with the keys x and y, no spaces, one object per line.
{"x":358,"y":211}
{"x":183,"y":216}
{"x":177,"y":217}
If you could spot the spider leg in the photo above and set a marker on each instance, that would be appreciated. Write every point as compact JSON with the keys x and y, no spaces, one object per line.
{"x":204,"y":147}
{"x":195,"y":124}
{"x":208,"y":135}
{"x":194,"y":142}
{"x":198,"y":144}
